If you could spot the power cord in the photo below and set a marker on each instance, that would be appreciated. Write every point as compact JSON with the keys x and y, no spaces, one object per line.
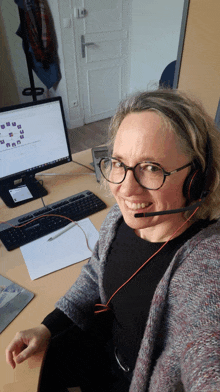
{"x":106,"y":307}
{"x":41,"y":182}
{"x":48,"y":215}
{"x":62,"y":174}
{"x":87,"y":167}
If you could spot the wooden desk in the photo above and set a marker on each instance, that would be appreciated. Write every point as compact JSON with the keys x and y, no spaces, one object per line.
{"x":50,"y":288}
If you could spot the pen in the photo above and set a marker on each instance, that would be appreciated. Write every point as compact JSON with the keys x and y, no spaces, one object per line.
{"x":72,"y":224}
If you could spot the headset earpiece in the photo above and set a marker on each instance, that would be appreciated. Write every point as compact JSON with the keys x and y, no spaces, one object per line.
{"x":194,"y":184}
{"x":195,"y":187}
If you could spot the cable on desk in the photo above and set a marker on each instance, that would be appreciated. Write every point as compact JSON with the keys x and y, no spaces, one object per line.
{"x":41,"y":196}
{"x":87,"y":167}
{"x":63,"y":174}
{"x":68,"y":174}
{"x":48,"y":215}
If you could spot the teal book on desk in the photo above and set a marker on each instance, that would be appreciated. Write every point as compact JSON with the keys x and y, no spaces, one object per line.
{"x":13,"y":299}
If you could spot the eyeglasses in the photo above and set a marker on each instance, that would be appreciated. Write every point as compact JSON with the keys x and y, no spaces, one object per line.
{"x":149,"y":175}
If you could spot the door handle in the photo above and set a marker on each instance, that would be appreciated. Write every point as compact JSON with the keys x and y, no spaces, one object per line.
{"x":84,"y":44}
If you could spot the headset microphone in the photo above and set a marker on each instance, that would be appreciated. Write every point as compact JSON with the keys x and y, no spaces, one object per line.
{"x":195,"y":186}
{"x":167,"y":212}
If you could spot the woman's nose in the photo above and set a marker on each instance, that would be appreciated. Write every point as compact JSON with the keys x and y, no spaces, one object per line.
{"x":130,"y":186}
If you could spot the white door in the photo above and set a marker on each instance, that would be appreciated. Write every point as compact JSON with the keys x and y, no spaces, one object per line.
{"x":102,"y":36}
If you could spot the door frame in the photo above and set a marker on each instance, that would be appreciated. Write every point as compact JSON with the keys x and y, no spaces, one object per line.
{"x":181,"y":43}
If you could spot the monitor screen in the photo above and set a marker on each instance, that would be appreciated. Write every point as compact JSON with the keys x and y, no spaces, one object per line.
{"x":33,"y":138}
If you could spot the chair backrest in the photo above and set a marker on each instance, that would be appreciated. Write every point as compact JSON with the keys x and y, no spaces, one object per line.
{"x":167,"y":77}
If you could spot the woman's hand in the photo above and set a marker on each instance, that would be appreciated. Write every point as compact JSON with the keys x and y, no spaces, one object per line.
{"x":26,"y":343}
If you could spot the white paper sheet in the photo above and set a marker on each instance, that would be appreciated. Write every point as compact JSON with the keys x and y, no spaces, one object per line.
{"x":43,"y":257}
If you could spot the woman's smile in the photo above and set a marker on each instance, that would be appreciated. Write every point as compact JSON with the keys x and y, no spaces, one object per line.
{"x":143,"y":137}
{"x":137,"y":206}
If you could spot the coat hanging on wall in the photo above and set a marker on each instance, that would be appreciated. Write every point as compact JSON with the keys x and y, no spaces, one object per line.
{"x":37,"y":30}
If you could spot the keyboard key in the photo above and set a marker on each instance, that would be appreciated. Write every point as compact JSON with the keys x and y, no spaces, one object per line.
{"x":41,"y":212}
{"x":26,"y":218}
{"x":74,"y":207}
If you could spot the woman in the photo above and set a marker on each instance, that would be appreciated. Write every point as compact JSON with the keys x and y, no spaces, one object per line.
{"x":153,"y":279}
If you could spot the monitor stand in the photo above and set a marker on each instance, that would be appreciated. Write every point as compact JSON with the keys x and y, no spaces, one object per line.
{"x":17,"y":192}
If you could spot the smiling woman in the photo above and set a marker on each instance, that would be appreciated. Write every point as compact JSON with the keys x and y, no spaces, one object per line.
{"x":196,"y":136}
{"x":143,"y":316}
{"x":143,"y":137}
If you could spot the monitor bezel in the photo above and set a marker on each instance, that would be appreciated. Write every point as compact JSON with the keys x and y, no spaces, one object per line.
{"x":31,"y":172}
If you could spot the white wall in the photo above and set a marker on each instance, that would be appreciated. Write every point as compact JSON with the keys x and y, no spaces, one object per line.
{"x":68,"y":87}
{"x":154,"y":40}
{"x":8,"y":86}
{"x":155,"y":29}
{"x":62,"y":88}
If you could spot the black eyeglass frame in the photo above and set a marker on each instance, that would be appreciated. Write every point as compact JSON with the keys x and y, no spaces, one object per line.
{"x":132,"y":168}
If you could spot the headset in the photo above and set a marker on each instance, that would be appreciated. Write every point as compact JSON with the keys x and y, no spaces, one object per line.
{"x":195,"y":187}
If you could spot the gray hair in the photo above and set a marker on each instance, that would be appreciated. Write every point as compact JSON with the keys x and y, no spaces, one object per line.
{"x":192,"y":125}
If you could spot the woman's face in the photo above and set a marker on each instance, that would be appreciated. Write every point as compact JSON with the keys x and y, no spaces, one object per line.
{"x":144,"y":137}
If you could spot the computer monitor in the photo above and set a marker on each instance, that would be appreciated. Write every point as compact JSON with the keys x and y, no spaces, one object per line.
{"x":33,"y":138}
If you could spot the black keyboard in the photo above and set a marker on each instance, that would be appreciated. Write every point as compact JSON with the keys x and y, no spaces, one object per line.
{"x":76,"y":207}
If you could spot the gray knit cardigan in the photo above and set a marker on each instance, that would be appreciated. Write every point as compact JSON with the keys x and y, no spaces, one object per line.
{"x":184,"y":314}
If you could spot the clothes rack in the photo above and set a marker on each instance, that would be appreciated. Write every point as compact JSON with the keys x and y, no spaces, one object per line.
{"x":29,"y":91}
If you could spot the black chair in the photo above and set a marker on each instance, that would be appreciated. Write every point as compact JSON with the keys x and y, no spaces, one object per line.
{"x":167,"y":77}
